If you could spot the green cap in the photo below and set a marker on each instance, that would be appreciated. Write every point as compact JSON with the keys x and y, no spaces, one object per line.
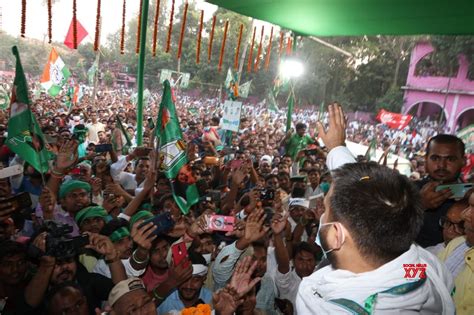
{"x":140,"y":215}
{"x":71,"y":185}
{"x":90,"y":212}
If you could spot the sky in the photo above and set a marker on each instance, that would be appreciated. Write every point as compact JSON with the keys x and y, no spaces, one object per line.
{"x":37,"y":16}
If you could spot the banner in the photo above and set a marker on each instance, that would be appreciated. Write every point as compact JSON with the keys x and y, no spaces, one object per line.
{"x":393,"y":120}
{"x":231,"y":117}
{"x":467,"y":136}
{"x":244,"y":89}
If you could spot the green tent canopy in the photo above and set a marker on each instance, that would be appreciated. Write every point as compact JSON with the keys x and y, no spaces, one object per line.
{"x":361,"y":17}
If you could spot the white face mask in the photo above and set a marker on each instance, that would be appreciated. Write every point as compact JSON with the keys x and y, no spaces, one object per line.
{"x":207,"y":257}
{"x":318,"y":237}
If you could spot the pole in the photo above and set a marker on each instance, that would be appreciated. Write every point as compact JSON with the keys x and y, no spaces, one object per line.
{"x":96,"y":75}
{"x":141,"y":67}
{"x":291,"y":98}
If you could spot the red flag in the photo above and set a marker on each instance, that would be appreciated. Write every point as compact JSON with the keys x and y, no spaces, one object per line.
{"x":81,"y":34}
{"x":393,"y":120}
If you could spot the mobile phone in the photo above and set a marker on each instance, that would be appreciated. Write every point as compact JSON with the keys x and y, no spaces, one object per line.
{"x":221,"y":223}
{"x":99,"y":148}
{"x":163,"y":222}
{"x":210,"y":160}
{"x":235,"y":164}
{"x":19,"y":201}
{"x":267,"y":194}
{"x":179,"y":253}
{"x":458,"y":190}
{"x":11,"y":171}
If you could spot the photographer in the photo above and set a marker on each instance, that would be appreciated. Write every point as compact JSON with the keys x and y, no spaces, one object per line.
{"x":59,"y":267}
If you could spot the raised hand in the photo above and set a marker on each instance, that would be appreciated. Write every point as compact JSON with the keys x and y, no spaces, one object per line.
{"x":150,"y":180}
{"x":224,"y":301}
{"x":239,"y":229}
{"x":143,"y":236}
{"x":102,"y":245}
{"x":254,"y":229}
{"x":67,"y":156}
{"x":336,"y":134}
{"x":241,"y":280}
{"x":199,"y":226}
{"x":279,"y":223}
{"x":181,"y":272}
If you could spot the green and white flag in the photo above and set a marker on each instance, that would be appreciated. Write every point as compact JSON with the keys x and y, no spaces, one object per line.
{"x":24,"y":134}
{"x":4,"y":98}
{"x":55,"y":74}
{"x":244,"y":89}
{"x":173,"y":148}
{"x":92,"y":72}
{"x":372,"y":150}
{"x":272,"y":104}
{"x":228,"y":79}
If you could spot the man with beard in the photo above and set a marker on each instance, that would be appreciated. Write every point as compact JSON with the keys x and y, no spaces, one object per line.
{"x":367,"y":232}
{"x":444,"y":161}
{"x":459,"y":259}
{"x":157,"y":270}
{"x":191,"y":292}
{"x":74,"y":195}
{"x":54,"y":271}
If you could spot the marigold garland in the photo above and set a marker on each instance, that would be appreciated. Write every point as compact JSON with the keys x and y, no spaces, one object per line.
{"x":50,"y":21}
{"x":201,"y":309}
{"x":170,"y":28}
{"x":211,"y":39}
{"x":23,"y":18}
{"x":269,"y":50}
{"x":122,"y":33}
{"x":198,"y":47}
{"x":97,"y":27}
{"x":155,"y":29}
{"x":221,"y":57}
{"x":289,"y":46}
{"x":139,"y":27}
{"x":237,"y":51}
{"x":249,"y":63}
{"x":259,"y":50}
{"x":183,"y":25}
{"x":74,"y":24}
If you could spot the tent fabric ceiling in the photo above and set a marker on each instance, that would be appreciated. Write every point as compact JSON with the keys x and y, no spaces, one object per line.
{"x":360,"y":17}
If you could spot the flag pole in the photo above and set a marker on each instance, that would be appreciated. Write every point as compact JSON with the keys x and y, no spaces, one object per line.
{"x":141,"y":67}
{"x":292,"y":98}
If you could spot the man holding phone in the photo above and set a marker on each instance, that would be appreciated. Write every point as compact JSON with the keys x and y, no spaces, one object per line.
{"x":132,"y":183}
{"x":443,"y":162}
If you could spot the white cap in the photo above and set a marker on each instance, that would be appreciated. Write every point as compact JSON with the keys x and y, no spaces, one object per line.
{"x":299,"y":202}
{"x":124,"y":287}
{"x":266,"y":158}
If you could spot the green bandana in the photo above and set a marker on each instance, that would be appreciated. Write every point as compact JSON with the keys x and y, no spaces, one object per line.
{"x":90,"y":212}
{"x":118,"y":234}
{"x":139,"y":216}
{"x":71,"y":185}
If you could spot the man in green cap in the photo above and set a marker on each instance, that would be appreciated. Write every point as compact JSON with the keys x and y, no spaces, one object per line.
{"x":74,"y":195}
{"x":91,"y":219}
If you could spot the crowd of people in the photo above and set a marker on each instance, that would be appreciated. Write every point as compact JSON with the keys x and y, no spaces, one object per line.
{"x":286,"y":223}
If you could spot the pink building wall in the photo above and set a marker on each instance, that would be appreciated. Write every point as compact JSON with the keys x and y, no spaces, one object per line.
{"x":459,"y":108}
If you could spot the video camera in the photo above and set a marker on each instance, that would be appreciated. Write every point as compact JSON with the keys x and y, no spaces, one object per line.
{"x":58,"y":242}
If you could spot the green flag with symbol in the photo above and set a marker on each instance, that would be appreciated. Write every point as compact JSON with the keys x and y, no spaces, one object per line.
{"x":92,"y":72}
{"x":173,"y":149}
{"x":24,"y":134}
{"x":372,"y":150}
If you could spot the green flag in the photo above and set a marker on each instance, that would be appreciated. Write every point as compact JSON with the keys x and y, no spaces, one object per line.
{"x":372,"y":150}
{"x":291,"y":104}
{"x":272,"y":103}
{"x":92,"y":72}
{"x":4,"y":99}
{"x":228,"y":79}
{"x":173,"y":148}
{"x":124,"y":132}
{"x":24,"y":134}
{"x":244,"y":89}
{"x":68,"y":98}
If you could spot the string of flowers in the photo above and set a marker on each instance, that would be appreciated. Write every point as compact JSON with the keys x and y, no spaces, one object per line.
{"x":137,"y":47}
{"x":269,"y":50}
{"x":181,"y":35}
{"x":97,"y":27}
{"x":289,"y":47}
{"x":155,"y":29}
{"x":221,"y":57}
{"x":249,"y":63}
{"x":211,"y":39}
{"x":170,"y":29}
{"x":23,"y":18}
{"x":198,"y":48}
{"x":259,"y":51}
{"x":280,"y":46}
{"x":122,"y":33}
{"x":50,"y":21}
{"x":237,"y":51}
{"x":74,"y":24}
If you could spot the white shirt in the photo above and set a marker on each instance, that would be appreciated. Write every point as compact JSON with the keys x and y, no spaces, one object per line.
{"x":287,"y":285}
{"x":102,"y":268}
{"x":94,"y":130}
{"x":125,"y":179}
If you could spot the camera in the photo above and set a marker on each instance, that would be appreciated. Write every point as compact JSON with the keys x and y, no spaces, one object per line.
{"x":267,"y":194}
{"x":58,"y":242}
